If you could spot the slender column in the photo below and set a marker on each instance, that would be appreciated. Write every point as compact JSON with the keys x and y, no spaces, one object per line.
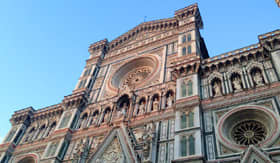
{"x":251,"y":80}
{"x":163,"y":104}
{"x":47,"y":130}
{"x":147,"y":107}
{"x":230,"y":84}
{"x":265,"y":76}
{"x":136,"y":108}
{"x":102,"y":114}
{"x":160,"y":102}
{"x":130,"y":110}
{"x":248,"y":81}
{"x":223,"y":87}
{"x":243,"y":80}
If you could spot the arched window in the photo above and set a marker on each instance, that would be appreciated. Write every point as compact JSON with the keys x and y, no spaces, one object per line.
{"x":27,"y":160}
{"x":191,"y":145}
{"x":184,"y":51}
{"x":183,"y":144}
{"x":190,"y":117}
{"x":30,"y":134}
{"x":65,"y":120}
{"x":184,"y":39}
{"x":52,"y":127}
{"x":106,"y":117}
{"x":190,"y":88}
{"x":41,"y":132}
{"x":83,"y":121}
{"x":183,"y":120}
{"x":94,"y":119}
{"x":183,"y":89}
{"x":189,"y":49}
{"x":189,"y":37}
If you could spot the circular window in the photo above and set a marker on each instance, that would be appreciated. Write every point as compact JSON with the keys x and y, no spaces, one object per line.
{"x":249,"y":132}
{"x":247,"y":125}
{"x":135,"y":73}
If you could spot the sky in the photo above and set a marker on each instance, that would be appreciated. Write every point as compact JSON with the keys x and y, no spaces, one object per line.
{"x":44,"y":44}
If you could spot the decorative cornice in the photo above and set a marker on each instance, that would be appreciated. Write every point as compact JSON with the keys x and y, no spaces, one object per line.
{"x":242,"y":97}
{"x":151,"y":26}
{"x":75,"y":100}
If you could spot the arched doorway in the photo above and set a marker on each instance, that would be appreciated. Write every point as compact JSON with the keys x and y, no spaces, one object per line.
{"x":27,"y":160}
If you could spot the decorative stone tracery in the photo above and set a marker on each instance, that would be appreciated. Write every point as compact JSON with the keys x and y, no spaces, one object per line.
{"x":136,"y":76}
{"x":249,"y":132}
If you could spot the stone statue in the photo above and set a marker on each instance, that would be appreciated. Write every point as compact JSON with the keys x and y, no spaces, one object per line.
{"x":237,"y":83}
{"x":258,"y":78}
{"x":81,"y":149}
{"x":141,"y":108}
{"x":217,"y":89}
{"x":122,"y":111}
{"x":170,"y":100}
{"x":106,"y":116}
{"x":155,"y":104}
{"x":94,"y":119}
{"x":147,"y":138}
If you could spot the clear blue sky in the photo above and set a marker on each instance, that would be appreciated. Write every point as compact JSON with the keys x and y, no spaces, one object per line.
{"x":43,"y":44}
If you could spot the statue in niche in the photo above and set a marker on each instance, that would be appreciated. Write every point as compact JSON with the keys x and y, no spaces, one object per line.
{"x":81,"y":149}
{"x":237,"y":83}
{"x":141,"y":108}
{"x":155,"y":104}
{"x":170,"y":100}
{"x":106,"y":116}
{"x":147,"y":139}
{"x":94,"y":119}
{"x":217,"y":89}
{"x":122,"y":111}
{"x":258,"y":78}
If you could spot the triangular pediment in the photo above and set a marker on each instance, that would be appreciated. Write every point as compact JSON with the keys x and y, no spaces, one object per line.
{"x":114,"y":149}
{"x":144,"y":31}
{"x":254,"y":155}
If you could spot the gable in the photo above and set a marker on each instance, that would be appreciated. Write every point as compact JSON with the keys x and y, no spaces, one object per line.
{"x":114,"y":148}
{"x":254,"y":155}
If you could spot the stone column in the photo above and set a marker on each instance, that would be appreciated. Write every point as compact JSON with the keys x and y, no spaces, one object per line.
{"x":230,"y":87}
{"x":247,"y":79}
{"x":147,"y":107}
{"x":159,"y":102}
{"x":243,"y":80}
{"x":136,"y":108}
{"x":163,"y":104}
{"x":227,"y":83}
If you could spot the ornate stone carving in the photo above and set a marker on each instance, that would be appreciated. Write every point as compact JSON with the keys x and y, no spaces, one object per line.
{"x":249,"y":132}
{"x":81,"y":150}
{"x":237,"y":83}
{"x":170,"y":100}
{"x":113,"y":153}
{"x":106,"y":117}
{"x":147,"y":137}
{"x":217,"y":91}
{"x":155,"y":104}
{"x":141,"y":108}
{"x":122,"y":111}
{"x":258,"y":79}
{"x":136,"y":76}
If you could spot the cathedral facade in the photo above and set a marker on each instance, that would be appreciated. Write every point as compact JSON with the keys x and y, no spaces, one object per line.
{"x":153,"y":95}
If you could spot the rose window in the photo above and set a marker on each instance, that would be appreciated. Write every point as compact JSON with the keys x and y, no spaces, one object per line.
{"x":249,"y":132}
{"x":247,"y":125}
{"x":135,"y":74}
